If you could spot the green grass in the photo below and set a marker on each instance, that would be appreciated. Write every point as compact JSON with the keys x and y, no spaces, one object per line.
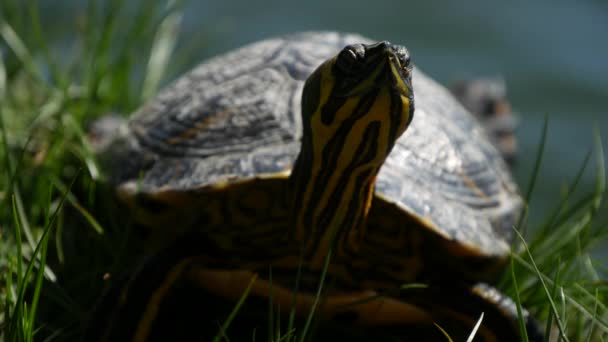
{"x":59,"y":242}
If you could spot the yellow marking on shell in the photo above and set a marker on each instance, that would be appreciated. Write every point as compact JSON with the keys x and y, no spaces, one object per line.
{"x":204,"y":123}
{"x":127,"y":191}
{"x":223,"y":183}
{"x":473,"y":186}
{"x":151,"y":311}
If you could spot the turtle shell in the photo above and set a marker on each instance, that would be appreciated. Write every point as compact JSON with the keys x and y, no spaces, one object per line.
{"x":235,"y":121}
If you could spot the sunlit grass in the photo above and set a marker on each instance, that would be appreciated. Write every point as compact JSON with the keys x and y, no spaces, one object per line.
{"x":553,"y":272}
{"x":115,"y":59}
{"x":52,"y":225}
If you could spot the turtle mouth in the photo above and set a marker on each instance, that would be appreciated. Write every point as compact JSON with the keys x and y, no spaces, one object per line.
{"x":399,"y":68}
{"x":402,"y":60}
{"x":407,"y":80}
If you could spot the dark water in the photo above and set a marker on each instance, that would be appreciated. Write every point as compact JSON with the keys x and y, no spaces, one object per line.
{"x":552,"y":53}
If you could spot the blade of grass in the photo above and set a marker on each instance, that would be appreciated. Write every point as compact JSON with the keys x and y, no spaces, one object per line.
{"x":600,"y":187}
{"x":559,"y":323}
{"x":563,"y":240}
{"x":17,"y":314}
{"x":591,"y":328}
{"x":289,"y":334}
{"x":476,"y":327}
{"x":8,"y":163}
{"x":575,"y":209}
{"x":590,"y":270}
{"x":24,"y":326}
{"x":19,"y":242}
{"x":553,"y":293}
{"x":25,"y":225}
{"x":586,"y":311}
{"x":235,"y":310}
{"x":40,"y":274}
{"x":570,"y":299}
{"x":443,"y":332}
{"x":7,"y":155}
{"x":59,"y":251}
{"x":8,"y":302}
{"x":553,"y":217}
{"x":46,"y":111}
{"x":74,"y":202}
{"x":89,"y":40}
{"x":13,"y":172}
{"x":574,"y":236}
{"x":18,"y":47}
{"x":539,"y":158}
{"x":11,"y":9}
{"x":41,"y":41}
{"x":100,"y":53}
{"x":278,"y":325}
{"x":535,"y":172}
{"x":317,"y":296}
{"x":162,"y":48}
{"x":589,"y":296}
{"x":520,"y":316}
{"x":292,"y":311}
{"x":270,"y":307}
{"x":2,"y":80}
{"x":563,"y":317}
{"x":83,"y":150}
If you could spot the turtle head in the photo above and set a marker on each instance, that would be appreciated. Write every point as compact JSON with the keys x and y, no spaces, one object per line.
{"x":362,"y":96}
{"x":354,"y":108}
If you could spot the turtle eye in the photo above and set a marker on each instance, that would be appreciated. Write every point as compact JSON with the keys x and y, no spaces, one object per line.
{"x":404,"y":58}
{"x":350,"y":57}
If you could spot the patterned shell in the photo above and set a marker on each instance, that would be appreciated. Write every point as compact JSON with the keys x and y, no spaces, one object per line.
{"x":237,"y":117}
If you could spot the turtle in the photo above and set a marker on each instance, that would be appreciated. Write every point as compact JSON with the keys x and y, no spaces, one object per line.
{"x":314,"y":155}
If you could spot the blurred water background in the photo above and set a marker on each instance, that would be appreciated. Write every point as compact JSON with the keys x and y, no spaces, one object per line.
{"x":552,"y":53}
